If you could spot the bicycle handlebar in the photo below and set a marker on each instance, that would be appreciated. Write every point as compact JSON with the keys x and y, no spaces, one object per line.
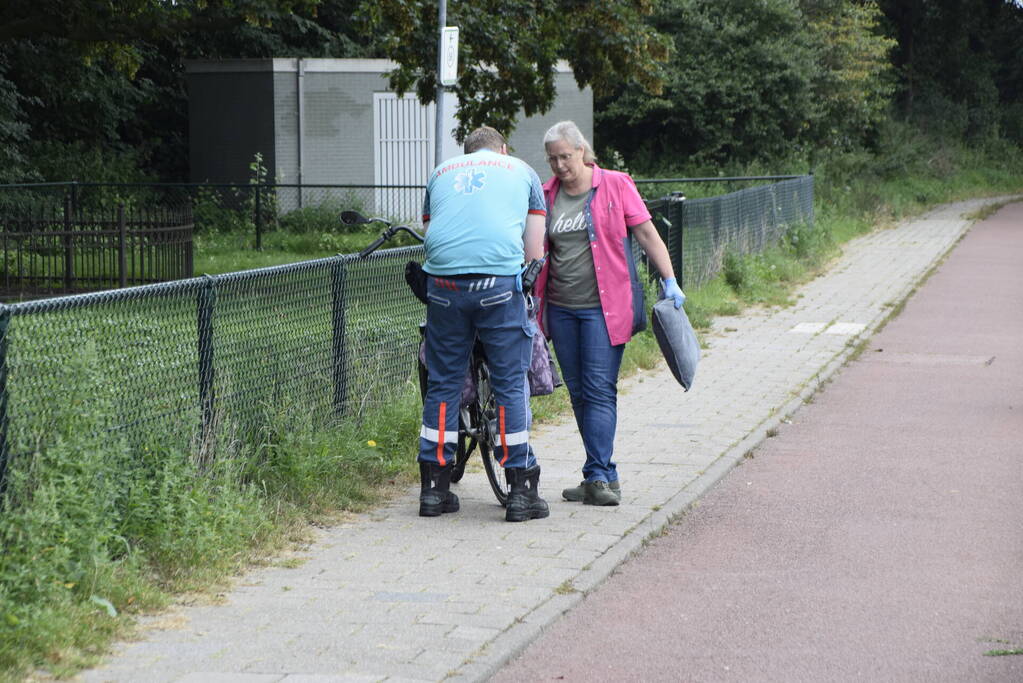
{"x":373,"y":247}
{"x":387,"y":234}
{"x":529,"y":273}
{"x":404,"y":228}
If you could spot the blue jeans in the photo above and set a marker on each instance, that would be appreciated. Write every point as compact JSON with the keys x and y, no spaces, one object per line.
{"x":460,"y":309}
{"x":589,"y":366}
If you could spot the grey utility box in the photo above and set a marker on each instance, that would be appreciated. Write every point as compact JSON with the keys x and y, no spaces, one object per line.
{"x":336,"y":122}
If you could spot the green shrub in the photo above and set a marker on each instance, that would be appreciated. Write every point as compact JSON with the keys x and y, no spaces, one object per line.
{"x":738,"y":270}
{"x":312,"y":219}
{"x":213,"y":215}
{"x":324,"y":217}
{"x":56,"y":161}
{"x":809,"y":242}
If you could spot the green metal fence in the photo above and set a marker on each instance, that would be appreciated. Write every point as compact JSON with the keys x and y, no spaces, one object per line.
{"x":258,"y":208}
{"x":189,"y":360}
{"x":53,"y":250}
{"x":699,"y":232}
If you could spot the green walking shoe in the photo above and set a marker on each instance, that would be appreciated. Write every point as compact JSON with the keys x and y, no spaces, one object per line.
{"x":599,"y":493}
{"x":577,"y":494}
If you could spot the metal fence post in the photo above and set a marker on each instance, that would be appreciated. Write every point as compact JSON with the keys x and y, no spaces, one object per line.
{"x":5,"y":321}
{"x":205,"y":304}
{"x":339,"y":355}
{"x":188,"y":247}
{"x":69,"y":255}
{"x":678,"y":220}
{"x":73,"y":213}
{"x":122,"y":239}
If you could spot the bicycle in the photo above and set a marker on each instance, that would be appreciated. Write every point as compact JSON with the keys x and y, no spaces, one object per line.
{"x":477,"y":415}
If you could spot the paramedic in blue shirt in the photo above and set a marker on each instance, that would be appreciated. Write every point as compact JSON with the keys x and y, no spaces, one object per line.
{"x":484,"y":215}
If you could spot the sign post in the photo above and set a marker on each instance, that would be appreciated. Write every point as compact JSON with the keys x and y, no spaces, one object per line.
{"x":447,"y":73}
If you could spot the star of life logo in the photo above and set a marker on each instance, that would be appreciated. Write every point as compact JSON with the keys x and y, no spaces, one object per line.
{"x":469,"y":181}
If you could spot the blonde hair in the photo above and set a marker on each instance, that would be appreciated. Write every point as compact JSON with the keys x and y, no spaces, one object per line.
{"x":568,"y":132}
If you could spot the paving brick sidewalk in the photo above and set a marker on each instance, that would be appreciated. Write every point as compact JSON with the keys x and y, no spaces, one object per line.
{"x":392,"y":596}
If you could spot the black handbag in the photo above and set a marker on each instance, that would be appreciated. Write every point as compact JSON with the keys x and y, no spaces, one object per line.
{"x":415,"y":276}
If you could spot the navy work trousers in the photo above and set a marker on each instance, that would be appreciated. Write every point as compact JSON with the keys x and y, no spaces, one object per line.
{"x":459,"y":309}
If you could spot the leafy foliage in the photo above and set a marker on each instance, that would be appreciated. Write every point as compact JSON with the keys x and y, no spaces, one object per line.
{"x":508,"y":50}
{"x":14,"y":130}
{"x":754,"y":79}
{"x":95,"y":28}
{"x":853,"y":83}
{"x":692,"y":83}
{"x":110,"y":77}
{"x":960,"y":65}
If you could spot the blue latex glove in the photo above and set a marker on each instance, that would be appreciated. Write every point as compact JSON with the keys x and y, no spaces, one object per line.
{"x":672,"y":291}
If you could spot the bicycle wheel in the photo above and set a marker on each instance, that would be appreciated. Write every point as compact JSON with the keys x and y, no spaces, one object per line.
{"x":485,"y":416}
{"x":466,"y":444}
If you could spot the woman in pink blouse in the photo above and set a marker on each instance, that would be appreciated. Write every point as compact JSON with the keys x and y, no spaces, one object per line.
{"x":590,"y":294}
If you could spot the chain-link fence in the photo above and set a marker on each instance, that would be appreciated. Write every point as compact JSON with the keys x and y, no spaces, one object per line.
{"x":186,"y":362}
{"x":699,"y":232}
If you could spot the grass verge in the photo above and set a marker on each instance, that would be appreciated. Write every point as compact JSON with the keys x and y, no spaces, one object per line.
{"x":229,"y":252}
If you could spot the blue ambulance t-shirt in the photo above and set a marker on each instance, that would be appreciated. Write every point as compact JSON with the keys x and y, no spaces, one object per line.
{"x":476,"y":205}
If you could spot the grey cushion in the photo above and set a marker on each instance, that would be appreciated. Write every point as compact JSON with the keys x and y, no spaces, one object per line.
{"x":678,"y":342}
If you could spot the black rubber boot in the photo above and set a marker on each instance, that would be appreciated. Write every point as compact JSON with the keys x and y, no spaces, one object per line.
{"x":524,"y":501}
{"x":434,"y":494}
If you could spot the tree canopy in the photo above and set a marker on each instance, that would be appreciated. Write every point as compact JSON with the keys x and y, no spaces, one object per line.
{"x":960,"y":64}
{"x":755,"y":79}
{"x":96,"y":90}
{"x":508,"y":50}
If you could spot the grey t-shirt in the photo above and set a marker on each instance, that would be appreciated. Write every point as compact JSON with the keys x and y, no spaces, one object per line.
{"x":572,"y":283}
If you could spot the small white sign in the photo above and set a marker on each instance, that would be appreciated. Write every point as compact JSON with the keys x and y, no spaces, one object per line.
{"x":449,"y":55}
{"x":808,"y":328}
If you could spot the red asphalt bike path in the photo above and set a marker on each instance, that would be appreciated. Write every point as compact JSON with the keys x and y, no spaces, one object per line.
{"x":877,"y":537}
